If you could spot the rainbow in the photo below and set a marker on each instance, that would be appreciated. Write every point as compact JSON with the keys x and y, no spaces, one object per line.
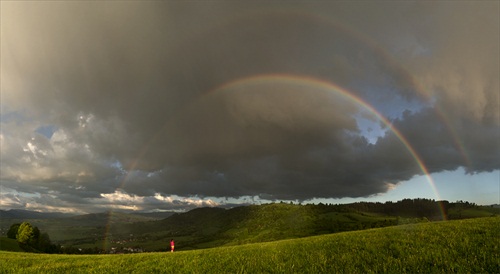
{"x":386,"y":58}
{"x":301,"y":80}
{"x":402,"y":72}
{"x":308,"y":81}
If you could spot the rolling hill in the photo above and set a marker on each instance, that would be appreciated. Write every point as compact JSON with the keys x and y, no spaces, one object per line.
{"x":213,"y":227}
{"x":7,"y":244}
{"x":460,"y":246}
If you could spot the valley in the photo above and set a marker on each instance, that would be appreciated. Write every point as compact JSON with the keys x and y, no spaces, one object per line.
{"x":115,"y":232}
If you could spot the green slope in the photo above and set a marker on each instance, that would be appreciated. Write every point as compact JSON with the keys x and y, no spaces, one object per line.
{"x":212,"y":227}
{"x":8,"y":244}
{"x":462,"y":246}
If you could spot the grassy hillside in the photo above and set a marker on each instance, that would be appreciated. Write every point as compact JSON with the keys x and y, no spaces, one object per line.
{"x":9,"y":244}
{"x":464,"y":246}
{"x":213,"y":227}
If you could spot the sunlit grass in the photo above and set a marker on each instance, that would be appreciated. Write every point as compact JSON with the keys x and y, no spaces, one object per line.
{"x":467,"y":246}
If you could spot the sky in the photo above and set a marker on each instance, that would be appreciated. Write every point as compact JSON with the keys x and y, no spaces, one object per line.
{"x":171,"y":105}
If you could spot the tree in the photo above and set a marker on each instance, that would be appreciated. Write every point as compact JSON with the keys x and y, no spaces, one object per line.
{"x":12,"y":233}
{"x":36,"y":236}
{"x":31,"y":239}
{"x":44,"y":244}
{"x":25,"y":233}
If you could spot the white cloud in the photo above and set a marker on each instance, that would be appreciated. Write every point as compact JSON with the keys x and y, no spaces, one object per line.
{"x":119,"y":197}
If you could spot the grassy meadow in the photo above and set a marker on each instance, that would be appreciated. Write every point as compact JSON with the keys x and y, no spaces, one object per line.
{"x":465,"y":246}
{"x":9,"y":244}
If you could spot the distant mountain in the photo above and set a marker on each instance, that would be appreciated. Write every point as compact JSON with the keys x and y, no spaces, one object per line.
{"x":155,"y":215}
{"x":103,"y":217}
{"x":27,"y":214}
{"x":106,"y":218}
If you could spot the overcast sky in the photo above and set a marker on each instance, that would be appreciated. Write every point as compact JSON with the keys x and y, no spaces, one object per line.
{"x":170,"y":105}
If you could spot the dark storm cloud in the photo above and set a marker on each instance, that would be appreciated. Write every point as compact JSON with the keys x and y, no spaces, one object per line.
{"x":126,"y":87}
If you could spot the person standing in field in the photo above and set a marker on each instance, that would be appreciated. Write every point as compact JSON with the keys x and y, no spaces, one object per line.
{"x":172,"y":245}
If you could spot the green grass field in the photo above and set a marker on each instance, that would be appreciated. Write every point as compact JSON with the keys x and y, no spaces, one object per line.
{"x":465,"y":246}
{"x":9,"y":244}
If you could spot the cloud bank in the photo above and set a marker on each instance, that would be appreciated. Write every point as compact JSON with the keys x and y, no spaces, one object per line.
{"x":108,"y":100}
